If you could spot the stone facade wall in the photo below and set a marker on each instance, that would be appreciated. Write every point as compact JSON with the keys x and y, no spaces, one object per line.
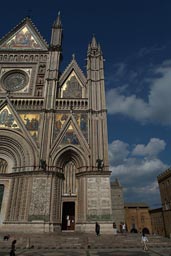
{"x":98,"y":198}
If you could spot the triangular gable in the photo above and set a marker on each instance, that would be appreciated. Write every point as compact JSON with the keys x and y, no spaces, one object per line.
{"x":9,"y":119}
{"x":24,"y":37}
{"x":72,"y":88}
{"x":80,"y":118}
{"x":72,"y":70}
{"x":70,"y":134}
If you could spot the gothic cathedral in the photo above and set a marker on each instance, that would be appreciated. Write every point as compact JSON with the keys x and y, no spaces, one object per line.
{"x":54,"y":169}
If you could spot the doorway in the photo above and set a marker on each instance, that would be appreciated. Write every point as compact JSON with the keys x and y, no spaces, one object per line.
{"x":68,"y":216}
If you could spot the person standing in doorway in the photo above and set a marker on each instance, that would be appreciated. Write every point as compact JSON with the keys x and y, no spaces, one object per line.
{"x":97,"y":229}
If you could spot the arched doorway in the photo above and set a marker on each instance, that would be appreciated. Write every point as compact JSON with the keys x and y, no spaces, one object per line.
{"x":145,"y":231}
{"x":68,"y":216}
{"x":69,"y":196}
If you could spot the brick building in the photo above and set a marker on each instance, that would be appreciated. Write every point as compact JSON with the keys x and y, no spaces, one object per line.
{"x":164,"y":181}
{"x":137,"y":217}
{"x":157,"y":221}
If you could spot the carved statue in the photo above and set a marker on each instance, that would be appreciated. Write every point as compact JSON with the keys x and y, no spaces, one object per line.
{"x":43,"y":164}
{"x":100,"y":164}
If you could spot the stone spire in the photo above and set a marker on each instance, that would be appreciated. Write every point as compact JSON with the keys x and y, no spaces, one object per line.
{"x":56,"y":36}
{"x":95,"y":73}
{"x":97,"y":103}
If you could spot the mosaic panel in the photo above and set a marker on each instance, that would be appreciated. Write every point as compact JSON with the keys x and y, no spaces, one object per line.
{"x":82,"y":121}
{"x":31,"y":122}
{"x":22,"y":39}
{"x":70,"y":137}
{"x":72,"y":88}
{"x":7,"y":119}
{"x":59,"y":121}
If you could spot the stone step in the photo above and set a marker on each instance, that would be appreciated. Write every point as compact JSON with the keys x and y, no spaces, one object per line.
{"x":80,"y":240}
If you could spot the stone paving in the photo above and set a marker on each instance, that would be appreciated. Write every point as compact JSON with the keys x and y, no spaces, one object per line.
{"x":79,"y":244}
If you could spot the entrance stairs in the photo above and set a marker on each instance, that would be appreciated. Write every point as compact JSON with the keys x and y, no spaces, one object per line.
{"x":75,"y":240}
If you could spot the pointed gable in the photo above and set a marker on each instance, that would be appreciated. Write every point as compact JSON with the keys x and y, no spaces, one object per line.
{"x":25,"y":36}
{"x":73,"y":82}
{"x":70,"y":134}
{"x":11,"y":120}
{"x":7,"y":119}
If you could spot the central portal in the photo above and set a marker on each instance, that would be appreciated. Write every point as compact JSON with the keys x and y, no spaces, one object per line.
{"x":68,"y":216}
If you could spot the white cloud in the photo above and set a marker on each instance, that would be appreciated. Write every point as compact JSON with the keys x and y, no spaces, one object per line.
{"x":134,"y":167}
{"x":137,"y":174}
{"x":118,"y":151}
{"x":155,"y":109}
{"x":153,"y":148}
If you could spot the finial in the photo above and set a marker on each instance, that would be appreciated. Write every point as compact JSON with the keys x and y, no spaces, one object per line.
{"x":73,"y":56}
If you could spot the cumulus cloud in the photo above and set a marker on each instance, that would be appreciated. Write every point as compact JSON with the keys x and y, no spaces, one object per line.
{"x":155,"y":108}
{"x":153,"y":148}
{"x":118,"y":152}
{"x":138,"y":175}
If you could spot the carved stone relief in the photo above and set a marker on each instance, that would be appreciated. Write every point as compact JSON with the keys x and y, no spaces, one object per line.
{"x":39,"y":208}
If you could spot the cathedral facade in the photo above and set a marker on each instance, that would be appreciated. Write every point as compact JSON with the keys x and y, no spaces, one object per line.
{"x":54,"y":169}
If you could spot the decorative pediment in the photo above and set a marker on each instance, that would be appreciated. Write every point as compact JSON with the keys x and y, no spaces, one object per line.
{"x":70,"y":134}
{"x":80,"y":118}
{"x":72,"y":88}
{"x":9,"y":119}
{"x":73,"y":82}
{"x":24,"y":37}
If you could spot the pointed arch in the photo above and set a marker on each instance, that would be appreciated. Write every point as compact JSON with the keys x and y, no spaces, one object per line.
{"x":16,"y":150}
{"x":70,"y":153}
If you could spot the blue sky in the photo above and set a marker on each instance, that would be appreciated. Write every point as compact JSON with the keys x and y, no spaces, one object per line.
{"x":135,"y":39}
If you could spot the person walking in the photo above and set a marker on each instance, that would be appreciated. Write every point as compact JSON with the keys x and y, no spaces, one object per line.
{"x":12,"y":252}
{"x":97,"y":229}
{"x":144,"y":241}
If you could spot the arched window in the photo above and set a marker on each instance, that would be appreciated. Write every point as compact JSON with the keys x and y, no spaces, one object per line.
{"x":3,"y":165}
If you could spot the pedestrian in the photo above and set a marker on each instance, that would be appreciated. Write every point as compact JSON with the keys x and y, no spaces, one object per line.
{"x":144,"y":241}
{"x":123,"y":228}
{"x":97,"y":229}
{"x":12,"y":252}
{"x":120,"y":227}
{"x":6,"y":237}
{"x":114,"y":228}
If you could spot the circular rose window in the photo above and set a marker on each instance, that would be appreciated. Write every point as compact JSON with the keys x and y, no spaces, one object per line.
{"x":14,"y":80}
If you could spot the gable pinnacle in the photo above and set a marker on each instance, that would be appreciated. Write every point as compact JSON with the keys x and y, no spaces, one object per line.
{"x":94,"y":43}
{"x":57,"y":23}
